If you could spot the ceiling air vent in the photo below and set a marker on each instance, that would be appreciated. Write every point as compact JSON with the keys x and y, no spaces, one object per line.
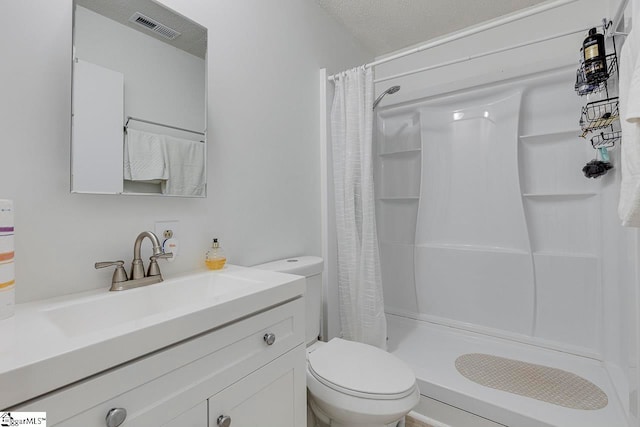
{"x":153,"y":25}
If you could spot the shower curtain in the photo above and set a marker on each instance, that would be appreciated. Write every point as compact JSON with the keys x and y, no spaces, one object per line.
{"x":362,"y":316}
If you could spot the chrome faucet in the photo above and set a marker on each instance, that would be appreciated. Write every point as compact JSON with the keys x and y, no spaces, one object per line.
{"x":137,"y":268}
{"x":121,"y":282}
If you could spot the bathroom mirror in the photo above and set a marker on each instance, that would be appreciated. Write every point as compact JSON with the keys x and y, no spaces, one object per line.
{"x":139,"y":100}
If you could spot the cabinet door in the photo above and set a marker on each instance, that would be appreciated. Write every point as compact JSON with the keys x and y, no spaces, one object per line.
{"x":273,"y":396}
{"x":194,"y":417}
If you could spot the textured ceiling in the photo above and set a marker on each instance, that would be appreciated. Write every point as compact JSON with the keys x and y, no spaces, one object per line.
{"x":193,"y":37}
{"x":384,"y":26}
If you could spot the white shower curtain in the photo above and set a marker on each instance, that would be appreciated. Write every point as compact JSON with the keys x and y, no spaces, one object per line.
{"x":360,"y":286}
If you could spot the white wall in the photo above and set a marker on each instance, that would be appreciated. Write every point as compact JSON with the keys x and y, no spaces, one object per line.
{"x":264,"y":191}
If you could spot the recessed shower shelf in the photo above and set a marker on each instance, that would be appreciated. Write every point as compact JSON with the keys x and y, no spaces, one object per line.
{"x":551,"y":195}
{"x":565,"y":254}
{"x":398,"y":199}
{"x":397,"y":244}
{"x":475,"y":248}
{"x":401,"y":152}
{"x":550,"y":136}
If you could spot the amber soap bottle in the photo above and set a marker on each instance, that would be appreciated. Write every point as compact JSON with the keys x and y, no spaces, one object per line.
{"x":215,"y":258}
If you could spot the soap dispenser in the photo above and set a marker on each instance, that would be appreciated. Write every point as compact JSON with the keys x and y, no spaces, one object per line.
{"x":215,"y":258}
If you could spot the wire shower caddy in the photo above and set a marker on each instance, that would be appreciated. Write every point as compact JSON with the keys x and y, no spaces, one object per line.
{"x":600,"y":115}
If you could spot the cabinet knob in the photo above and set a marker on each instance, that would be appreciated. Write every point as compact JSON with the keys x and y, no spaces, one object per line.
{"x":269,"y":338}
{"x":224,"y":421}
{"x":116,"y":416}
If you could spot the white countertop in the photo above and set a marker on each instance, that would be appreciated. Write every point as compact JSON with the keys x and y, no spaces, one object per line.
{"x":52,"y":343}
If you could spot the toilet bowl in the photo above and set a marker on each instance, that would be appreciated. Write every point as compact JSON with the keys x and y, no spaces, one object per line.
{"x":352,"y":384}
{"x":349,"y":384}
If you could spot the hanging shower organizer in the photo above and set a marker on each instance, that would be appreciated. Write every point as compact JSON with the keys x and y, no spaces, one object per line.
{"x":583,"y":88}
{"x":600,"y":115}
{"x":606,"y":140}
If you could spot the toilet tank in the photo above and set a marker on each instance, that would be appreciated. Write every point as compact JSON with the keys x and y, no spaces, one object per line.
{"x":311,"y":268}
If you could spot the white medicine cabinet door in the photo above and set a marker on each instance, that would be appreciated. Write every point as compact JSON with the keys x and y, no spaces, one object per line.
{"x":273,"y":396}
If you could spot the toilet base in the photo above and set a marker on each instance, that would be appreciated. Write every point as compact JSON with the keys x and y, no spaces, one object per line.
{"x":318,"y":418}
{"x":321,"y":424}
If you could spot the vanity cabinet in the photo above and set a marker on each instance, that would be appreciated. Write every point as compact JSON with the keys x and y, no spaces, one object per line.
{"x":266,"y":398}
{"x":251,"y":370}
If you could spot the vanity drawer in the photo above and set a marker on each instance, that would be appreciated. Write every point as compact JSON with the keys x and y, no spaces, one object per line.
{"x":165,"y":384}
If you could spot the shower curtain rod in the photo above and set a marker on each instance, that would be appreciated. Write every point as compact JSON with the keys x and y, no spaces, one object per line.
{"x":470,"y":32}
{"x":617,"y":17}
{"x":480,"y":55}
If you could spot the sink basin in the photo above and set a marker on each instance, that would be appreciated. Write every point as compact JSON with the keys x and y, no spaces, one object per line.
{"x":165,"y":299}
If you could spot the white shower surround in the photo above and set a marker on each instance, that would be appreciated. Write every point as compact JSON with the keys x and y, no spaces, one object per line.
{"x":509,"y":234}
{"x":486,"y":222}
{"x":563,"y":317}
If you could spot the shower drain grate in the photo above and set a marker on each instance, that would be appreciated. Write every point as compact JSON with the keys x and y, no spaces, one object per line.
{"x":539,"y":382}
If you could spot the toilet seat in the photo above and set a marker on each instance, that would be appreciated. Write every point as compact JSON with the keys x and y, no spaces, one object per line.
{"x":361,"y":370}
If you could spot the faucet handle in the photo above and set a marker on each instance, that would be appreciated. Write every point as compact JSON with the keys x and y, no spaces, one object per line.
{"x":103,"y":264}
{"x":154,"y":268}
{"x":161,"y":256}
{"x":119,"y":275}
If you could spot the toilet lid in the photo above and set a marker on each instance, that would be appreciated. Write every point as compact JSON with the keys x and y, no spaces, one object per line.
{"x":360,"y":369}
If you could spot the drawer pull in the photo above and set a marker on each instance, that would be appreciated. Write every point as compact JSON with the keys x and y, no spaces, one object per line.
{"x":116,"y":416}
{"x":269,"y":338}
{"x":224,"y":421}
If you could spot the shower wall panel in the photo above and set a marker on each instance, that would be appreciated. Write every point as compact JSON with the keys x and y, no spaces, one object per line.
{"x":472,"y":258}
{"x":485,"y":219}
{"x":470,"y":177}
{"x":397,"y":183}
{"x":476,"y":285}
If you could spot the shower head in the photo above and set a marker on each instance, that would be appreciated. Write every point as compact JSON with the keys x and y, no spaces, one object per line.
{"x":391,"y":90}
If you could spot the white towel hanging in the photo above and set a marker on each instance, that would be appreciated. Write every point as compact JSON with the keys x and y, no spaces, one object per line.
{"x":145,"y":156}
{"x":629,"y":206}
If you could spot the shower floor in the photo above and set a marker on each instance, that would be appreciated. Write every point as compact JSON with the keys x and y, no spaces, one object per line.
{"x":431,"y":350}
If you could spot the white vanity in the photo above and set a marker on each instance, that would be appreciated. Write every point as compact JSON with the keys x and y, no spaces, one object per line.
{"x":217,"y":348}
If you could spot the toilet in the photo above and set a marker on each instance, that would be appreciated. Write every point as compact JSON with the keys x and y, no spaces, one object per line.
{"x":349,"y":384}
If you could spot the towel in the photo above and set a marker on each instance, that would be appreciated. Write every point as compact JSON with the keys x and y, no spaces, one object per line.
{"x":145,"y":156}
{"x":629,"y":205}
{"x":185,"y":161}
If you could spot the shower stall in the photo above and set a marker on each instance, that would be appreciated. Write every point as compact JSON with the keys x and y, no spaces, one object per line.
{"x":492,"y":241}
